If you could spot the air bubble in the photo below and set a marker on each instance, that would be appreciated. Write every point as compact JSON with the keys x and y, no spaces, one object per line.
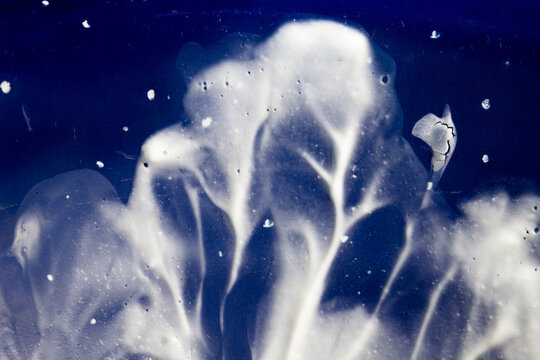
{"x":384,"y":79}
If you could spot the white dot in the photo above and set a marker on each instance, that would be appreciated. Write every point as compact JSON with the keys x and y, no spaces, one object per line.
{"x":344,"y":238}
{"x":45,"y":3}
{"x":50,"y":277}
{"x":125,"y":129}
{"x":86,"y":24}
{"x":486,"y":104}
{"x":93,"y":321}
{"x":67,"y":196}
{"x":5,"y":86}
{"x":268,"y":223}
{"x":151,"y":94}
{"x":485,"y":158}
{"x":99,"y":164}
{"x":220,"y":253}
{"x":206,"y":122}
{"x":435,"y":34}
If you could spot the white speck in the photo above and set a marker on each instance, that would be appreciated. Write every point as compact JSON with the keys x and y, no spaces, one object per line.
{"x":168,"y":97}
{"x":151,"y":94}
{"x":86,"y":24}
{"x":429,"y":185}
{"x":485,"y":158}
{"x":368,"y":272}
{"x":50,"y":277}
{"x":125,"y":129}
{"x":45,"y":3}
{"x":5,"y":86}
{"x":67,"y":196}
{"x":486,"y":104}
{"x":220,"y":253}
{"x":206,"y":122}
{"x":344,"y":238}
{"x":93,"y":321}
{"x":99,"y":164}
{"x":268,"y":223}
{"x":435,"y":34}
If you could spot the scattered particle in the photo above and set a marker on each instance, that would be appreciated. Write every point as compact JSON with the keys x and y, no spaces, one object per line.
{"x":486,"y":104}
{"x":45,"y":3}
{"x":344,"y":238}
{"x":50,"y":277}
{"x":5,"y":86}
{"x":86,"y":24}
{"x":93,"y":321}
{"x":435,"y":34}
{"x":67,"y":196}
{"x":206,"y":122}
{"x":145,"y":165}
{"x":125,"y":129}
{"x":99,"y":164}
{"x":220,"y":253}
{"x":151,"y":94}
{"x":485,"y":158}
{"x":268,"y":223}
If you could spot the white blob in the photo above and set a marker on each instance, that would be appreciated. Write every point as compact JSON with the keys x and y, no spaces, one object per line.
{"x":206,"y":122}
{"x":441,"y":136}
{"x":435,"y":34}
{"x":318,"y":111}
{"x":100,"y":164}
{"x":86,"y":24}
{"x":151,"y":94}
{"x":5,"y":86}
{"x":50,"y":277}
{"x":485,"y":158}
{"x":125,"y":129}
{"x":486,"y":104}
{"x":45,"y":3}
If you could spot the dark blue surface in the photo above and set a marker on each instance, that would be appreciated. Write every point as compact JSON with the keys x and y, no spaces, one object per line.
{"x":79,"y":87}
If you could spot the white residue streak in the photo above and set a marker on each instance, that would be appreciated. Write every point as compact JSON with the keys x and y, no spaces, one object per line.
{"x":26,"y":117}
{"x":5,"y":86}
{"x":151,"y":94}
